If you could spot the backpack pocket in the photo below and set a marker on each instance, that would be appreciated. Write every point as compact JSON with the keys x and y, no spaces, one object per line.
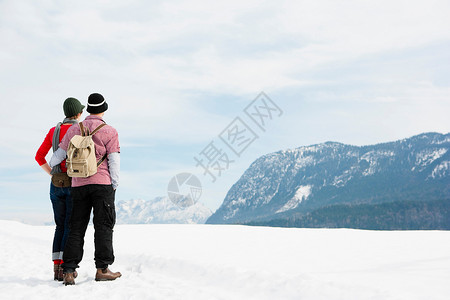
{"x":78,"y":168}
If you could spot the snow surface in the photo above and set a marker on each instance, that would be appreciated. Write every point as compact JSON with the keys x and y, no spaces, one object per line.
{"x":301,"y":194}
{"x":235,"y":262}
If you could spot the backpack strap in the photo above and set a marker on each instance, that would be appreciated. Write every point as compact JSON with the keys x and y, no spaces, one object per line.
{"x":94,"y":132}
{"x":82,"y":128}
{"x":98,"y":128}
{"x":101,"y":160}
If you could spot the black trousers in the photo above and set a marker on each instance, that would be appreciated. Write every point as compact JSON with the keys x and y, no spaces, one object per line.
{"x":100,"y":198}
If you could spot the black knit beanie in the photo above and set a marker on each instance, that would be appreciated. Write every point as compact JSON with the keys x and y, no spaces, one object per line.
{"x":72,"y":107}
{"x":96,"y":104}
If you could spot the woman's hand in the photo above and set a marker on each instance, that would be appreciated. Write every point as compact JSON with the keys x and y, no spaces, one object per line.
{"x":47,"y":168}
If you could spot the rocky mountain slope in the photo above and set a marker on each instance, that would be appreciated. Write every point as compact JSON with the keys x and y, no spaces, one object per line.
{"x":296,"y":182}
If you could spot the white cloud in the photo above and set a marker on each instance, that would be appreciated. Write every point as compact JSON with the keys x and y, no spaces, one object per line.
{"x":332,"y":64}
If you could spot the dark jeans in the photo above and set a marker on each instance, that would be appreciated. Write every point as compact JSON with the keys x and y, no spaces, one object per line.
{"x":100,"y":198}
{"x":62,"y":206}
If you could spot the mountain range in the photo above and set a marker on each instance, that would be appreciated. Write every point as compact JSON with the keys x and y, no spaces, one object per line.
{"x":337,"y":185}
{"x":159,"y":210}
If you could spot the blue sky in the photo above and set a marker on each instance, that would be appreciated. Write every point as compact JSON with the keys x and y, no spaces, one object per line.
{"x":176,"y":73}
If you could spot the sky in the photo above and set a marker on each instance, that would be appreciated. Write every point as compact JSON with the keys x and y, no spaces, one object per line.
{"x":176,"y":74}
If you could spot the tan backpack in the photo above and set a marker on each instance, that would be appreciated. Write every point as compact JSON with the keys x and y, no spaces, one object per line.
{"x":81,"y":160}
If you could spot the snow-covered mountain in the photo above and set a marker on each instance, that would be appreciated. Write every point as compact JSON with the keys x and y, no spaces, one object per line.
{"x":159,"y":211}
{"x":302,"y":180}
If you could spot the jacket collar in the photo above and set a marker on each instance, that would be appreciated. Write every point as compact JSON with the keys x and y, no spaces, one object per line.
{"x":91,"y":117}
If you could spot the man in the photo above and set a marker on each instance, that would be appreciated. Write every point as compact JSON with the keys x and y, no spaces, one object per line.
{"x":60,"y":192}
{"x":95,"y":192}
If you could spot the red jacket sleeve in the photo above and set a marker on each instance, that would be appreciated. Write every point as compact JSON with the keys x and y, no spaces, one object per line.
{"x":45,"y":147}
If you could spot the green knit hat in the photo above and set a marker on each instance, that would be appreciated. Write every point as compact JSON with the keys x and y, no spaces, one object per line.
{"x":72,"y":107}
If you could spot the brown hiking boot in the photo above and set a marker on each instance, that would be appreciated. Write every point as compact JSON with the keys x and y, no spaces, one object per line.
{"x":58,"y":273}
{"x":69,"y":279}
{"x":106,"y":275}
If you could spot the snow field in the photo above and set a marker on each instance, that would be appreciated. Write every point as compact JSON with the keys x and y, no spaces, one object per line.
{"x":235,"y":262}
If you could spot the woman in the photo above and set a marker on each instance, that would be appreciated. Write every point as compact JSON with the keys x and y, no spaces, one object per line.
{"x":60,"y":186}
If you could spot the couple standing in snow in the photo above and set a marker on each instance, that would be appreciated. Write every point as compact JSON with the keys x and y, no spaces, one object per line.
{"x":74,"y":198}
